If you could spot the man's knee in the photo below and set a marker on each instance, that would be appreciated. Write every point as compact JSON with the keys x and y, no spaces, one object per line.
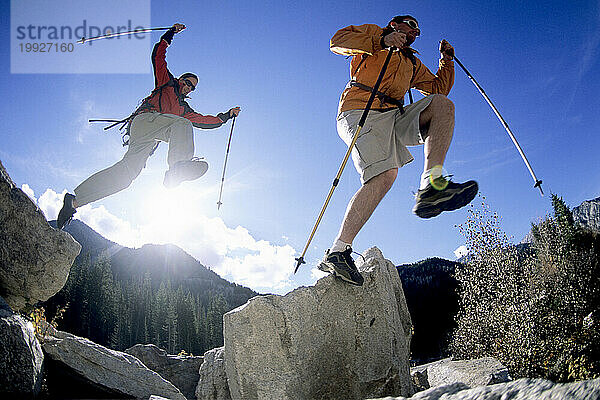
{"x":133,"y":167}
{"x":439,"y":102}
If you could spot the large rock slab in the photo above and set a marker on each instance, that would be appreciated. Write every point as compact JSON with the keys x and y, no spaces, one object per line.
{"x":81,"y":368}
{"x":476,"y":372}
{"x":181,"y":371}
{"x":21,"y":356}
{"x":328,"y":341}
{"x":35,"y":259}
{"x":213,"y":378}
{"x":522,"y":389}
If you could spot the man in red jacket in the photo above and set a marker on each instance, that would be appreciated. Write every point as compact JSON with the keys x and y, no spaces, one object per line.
{"x":163,"y":116}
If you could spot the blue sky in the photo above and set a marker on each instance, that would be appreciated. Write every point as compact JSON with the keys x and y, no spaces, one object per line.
{"x":537,"y":61}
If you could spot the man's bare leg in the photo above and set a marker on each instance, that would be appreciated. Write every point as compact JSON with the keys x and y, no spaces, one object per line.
{"x":363,"y":203}
{"x":360,"y":208}
{"x":438,"y":120}
{"x":434,"y":196}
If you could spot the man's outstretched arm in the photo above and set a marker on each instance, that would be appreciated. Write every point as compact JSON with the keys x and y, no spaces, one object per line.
{"x":159,"y":54}
{"x":353,"y":40}
{"x":209,"y":121}
{"x":428,"y":83}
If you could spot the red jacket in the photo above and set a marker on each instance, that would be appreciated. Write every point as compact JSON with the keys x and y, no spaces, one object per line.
{"x":166,"y":98}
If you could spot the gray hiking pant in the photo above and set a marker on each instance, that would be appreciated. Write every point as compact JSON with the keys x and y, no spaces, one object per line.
{"x":382,"y":144}
{"x":146,"y":129}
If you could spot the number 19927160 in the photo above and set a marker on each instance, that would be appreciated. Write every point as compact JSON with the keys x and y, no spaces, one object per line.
{"x":46,"y":47}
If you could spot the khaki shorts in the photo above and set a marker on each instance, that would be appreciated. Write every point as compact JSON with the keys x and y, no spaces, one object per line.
{"x":382,"y":142}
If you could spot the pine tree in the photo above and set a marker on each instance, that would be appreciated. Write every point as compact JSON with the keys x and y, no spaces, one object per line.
{"x":161,"y":328}
{"x":199,"y":344}
{"x":214,"y":319}
{"x":173,"y":335}
{"x":115,"y":340}
{"x":148,"y":301}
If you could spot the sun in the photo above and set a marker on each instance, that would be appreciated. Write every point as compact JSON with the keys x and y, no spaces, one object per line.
{"x":169,"y":212}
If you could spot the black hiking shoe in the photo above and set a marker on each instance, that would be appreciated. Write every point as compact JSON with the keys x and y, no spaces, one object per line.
{"x":188,"y":170}
{"x":431,"y":201}
{"x":65,"y":215}
{"x":341,"y":264}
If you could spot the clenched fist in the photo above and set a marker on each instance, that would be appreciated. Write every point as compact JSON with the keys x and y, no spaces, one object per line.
{"x":447,"y":50}
{"x":395,"y":39}
{"x":234,"y":112}
{"x":178,"y":27}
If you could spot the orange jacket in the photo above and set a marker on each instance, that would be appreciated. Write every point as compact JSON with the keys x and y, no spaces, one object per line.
{"x":364,"y":41}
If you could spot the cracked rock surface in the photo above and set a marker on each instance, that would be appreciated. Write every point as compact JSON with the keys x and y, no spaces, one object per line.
{"x":35,"y":259}
{"x":332,"y":340}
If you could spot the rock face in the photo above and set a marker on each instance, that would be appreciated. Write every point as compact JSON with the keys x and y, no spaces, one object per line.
{"x":80,"y":368}
{"x":181,"y":371}
{"x":213,"y":379}
{"x":588,"y":214}
{"x":479,"y":372}
{"x":328,"y":341}
{"x":522,"y":389}
{"x":35,"y":258}
{"x":21,"y":356}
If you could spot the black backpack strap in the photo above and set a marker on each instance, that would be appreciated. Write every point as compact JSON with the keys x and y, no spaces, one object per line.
{"x":384,"y":98}
{"x":363,"y":57}
{"x":408,"y":53}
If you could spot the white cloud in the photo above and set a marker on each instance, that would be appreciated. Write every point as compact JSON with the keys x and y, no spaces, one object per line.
{"x":461,"y":251}
{"x":108,"y":225}
{"x":50,"y":203}
{"x":29,"y":192}
{"x":233,"y":253}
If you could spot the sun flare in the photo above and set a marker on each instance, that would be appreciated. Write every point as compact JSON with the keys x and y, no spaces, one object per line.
{"x":172,"y":211}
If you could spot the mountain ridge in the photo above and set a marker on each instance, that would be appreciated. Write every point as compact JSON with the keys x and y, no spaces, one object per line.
{"x":588,"y":214}
{"x":164,"y":262}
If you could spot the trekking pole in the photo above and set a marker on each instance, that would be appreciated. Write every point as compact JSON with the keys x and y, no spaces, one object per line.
{"x":225,"y":165}
{"x":537,"y":182}
{"x":110,"y":35}
{"x":363,"y":118}
{"x":115,"y":122}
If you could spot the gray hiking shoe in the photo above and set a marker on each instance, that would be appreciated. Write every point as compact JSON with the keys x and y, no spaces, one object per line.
{"x":188,"y":170}
{"x":66,"y":212}
{"x":341,"y":264}
{"x":431,"y":201}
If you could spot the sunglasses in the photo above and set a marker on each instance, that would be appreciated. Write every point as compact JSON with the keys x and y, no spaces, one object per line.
{"x":412,"y":23}
{"x":190,"y":84}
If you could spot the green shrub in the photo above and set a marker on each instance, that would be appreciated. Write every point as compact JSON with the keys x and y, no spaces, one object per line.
{"x":527,"y":305}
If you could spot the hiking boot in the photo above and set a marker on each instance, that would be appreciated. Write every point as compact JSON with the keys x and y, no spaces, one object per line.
{"x":185,"y":171}
{"x":431,"y":201}
{"x":341,"y":264}
{"x":65,"y":215}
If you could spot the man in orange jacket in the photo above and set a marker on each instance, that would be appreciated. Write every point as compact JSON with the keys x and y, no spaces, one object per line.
{"x":163,"y":116}
{"x":381,"y":147}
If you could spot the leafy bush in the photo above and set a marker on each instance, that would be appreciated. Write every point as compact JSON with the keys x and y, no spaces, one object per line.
{"x":43,"y":327}
{"x":534,"y":307}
